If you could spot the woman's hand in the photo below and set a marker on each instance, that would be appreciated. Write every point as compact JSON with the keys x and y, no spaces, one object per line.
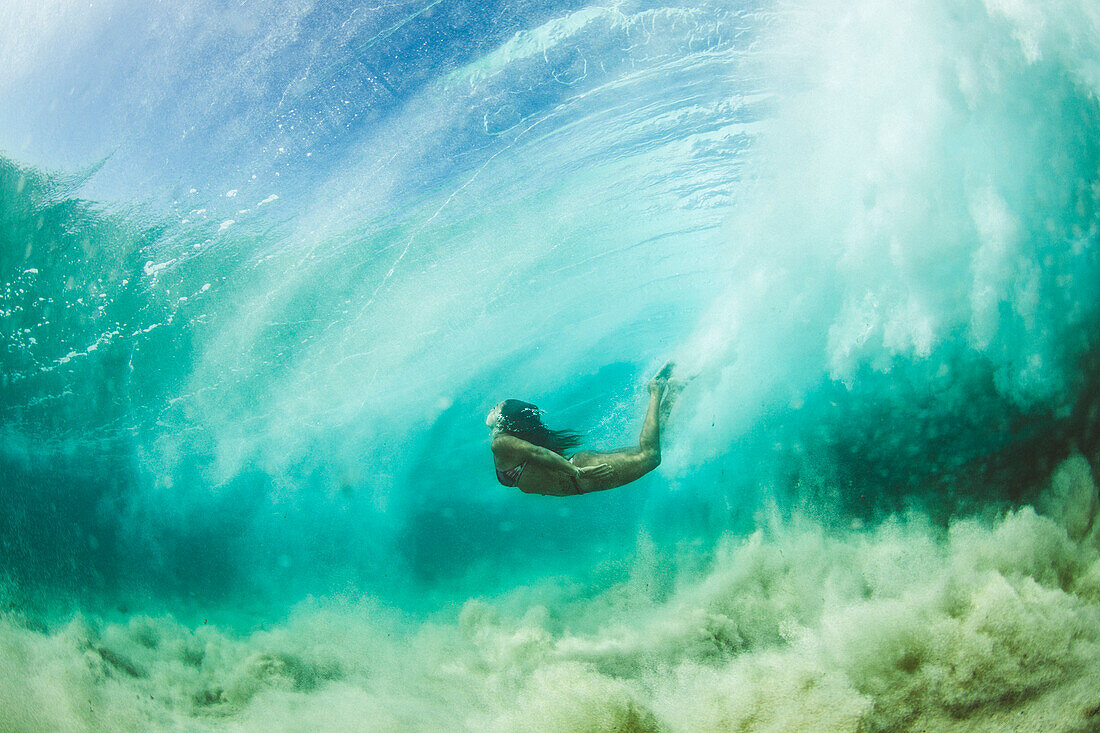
{"x":601,"y":470}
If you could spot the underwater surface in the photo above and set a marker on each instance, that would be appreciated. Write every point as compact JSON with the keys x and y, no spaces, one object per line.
{"x":266,"y":266}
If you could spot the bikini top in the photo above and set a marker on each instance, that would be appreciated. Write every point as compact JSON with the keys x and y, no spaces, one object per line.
{"x":511,"y":476}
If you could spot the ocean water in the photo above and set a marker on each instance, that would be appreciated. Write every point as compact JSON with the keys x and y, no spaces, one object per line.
{"x":267,"y":265}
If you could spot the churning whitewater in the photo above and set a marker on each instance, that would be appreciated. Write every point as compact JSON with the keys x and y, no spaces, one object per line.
{"x":265,"y":270}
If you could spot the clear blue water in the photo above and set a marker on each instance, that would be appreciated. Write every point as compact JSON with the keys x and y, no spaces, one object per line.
{"x":267,"y":265}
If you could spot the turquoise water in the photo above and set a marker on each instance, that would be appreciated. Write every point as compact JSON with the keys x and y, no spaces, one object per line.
{"x":266,"y":268}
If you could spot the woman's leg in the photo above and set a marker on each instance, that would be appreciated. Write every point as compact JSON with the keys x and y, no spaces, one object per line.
{"x":631,"y":464}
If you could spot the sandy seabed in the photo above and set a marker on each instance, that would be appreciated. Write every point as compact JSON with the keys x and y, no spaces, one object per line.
{"x":983,"y":626}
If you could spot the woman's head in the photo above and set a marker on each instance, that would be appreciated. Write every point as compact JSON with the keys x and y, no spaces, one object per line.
{"x":524,"y":420}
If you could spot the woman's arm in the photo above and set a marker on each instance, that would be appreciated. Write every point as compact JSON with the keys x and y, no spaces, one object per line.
{"x":514,"y":449}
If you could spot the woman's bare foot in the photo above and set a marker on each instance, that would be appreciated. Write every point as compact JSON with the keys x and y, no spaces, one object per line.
{"x":660,"y":380}
{"x":673,"y":388}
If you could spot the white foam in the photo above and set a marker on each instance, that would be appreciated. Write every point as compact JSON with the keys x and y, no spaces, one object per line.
{"x":899,"y":207}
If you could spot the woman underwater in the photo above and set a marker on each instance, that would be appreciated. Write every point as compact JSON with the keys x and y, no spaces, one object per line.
{"x":530,"y":456}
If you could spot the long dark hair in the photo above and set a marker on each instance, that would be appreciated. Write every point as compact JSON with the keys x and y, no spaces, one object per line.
{"x":524,"y":420}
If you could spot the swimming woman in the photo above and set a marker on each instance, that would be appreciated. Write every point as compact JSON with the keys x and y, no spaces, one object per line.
{"x":531,"y":456}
